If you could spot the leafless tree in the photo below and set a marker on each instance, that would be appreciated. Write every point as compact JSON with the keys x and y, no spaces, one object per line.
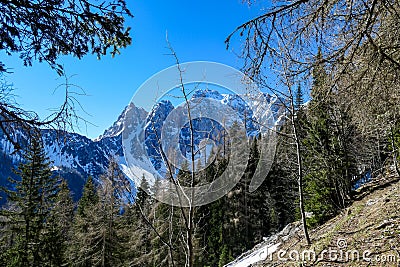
{"x":342,"y":28}
{"x":66,"y":117}
{"x":359,"y":44}
{"x":43,"y":31}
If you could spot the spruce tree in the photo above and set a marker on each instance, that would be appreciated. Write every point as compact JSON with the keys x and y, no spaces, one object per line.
{"x":58,"y":229}
{"x":225,"y":256}
{"x":142,"y":196}
{"x":328,"y":161}
{"x":319,"y":185}
{"x":210,"y":220}
{"x":299,"y":100}
{"x":30,"y":205}
{"x":140,"y":233}
{"x":107,"y":227}
{"x":78,"y":251}
{"x":97,"y":230}
{"x":89,"y":197}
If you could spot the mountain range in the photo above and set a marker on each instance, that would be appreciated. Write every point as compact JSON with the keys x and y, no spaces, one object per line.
{"x":75,"y":156}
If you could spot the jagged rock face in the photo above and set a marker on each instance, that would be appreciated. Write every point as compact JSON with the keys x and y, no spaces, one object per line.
{"x":154,"y":124}
{"x":204,"y":128}
{"x":75,"y":156}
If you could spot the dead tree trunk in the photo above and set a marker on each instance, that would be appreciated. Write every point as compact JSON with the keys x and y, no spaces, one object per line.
{"x":394,"y":151}
{"x":299,"y":167}
{"x":291,"y":109}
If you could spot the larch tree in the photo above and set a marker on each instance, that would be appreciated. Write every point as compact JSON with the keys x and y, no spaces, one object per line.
{"x":97,"y":234}
{"x":357,"y":41}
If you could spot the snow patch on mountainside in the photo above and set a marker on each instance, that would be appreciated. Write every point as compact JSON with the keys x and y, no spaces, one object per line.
{"x":77,"y":154}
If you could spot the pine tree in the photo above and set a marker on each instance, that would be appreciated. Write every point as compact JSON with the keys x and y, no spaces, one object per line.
{"x":30,"y":206}
{"x":79,"y":250}
{"x":89,"y":197}
{"x":319,"y":186}
{"x":225,"y":256}
{"x":234,"y":223}
{"x":58,"y":227}
{"x":107,"y":226}
{"x":281,"y":184}
{"x":328,"y":161}
{"x":299,"y":101}
{"x":142,"y":196}
{"x":97,"y":230}
{"x":140,"y":233}
{"x":211,"y":218}
{"x":213,"y":231}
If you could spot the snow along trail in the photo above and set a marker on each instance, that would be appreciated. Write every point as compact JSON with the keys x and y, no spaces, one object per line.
{"x":256,"y":256}
{"x":265,"y":250}
{"x":270,"y":245}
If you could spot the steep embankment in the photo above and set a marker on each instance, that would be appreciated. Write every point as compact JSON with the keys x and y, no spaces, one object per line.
{"x":365,"y":234}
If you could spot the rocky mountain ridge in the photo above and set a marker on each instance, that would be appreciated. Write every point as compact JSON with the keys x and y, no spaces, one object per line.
{"x":76,"y":157}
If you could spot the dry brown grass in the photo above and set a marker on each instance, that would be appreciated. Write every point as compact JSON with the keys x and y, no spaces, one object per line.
{"x":369,"y":227}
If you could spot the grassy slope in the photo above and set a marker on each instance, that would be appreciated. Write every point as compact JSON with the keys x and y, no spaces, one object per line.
{"x":370,"y":224}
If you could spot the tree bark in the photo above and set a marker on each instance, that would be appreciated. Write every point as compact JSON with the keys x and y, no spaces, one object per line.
{"x":299,"y":168}
{"x":394,"y":152}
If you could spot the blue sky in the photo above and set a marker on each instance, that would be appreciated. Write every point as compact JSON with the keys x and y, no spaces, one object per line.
{"x":196,"y":30}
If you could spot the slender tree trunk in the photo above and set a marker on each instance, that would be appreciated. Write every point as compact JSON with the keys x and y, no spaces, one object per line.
{"x":394,"y":152}
{"x":103,"y":254}
{"x":190,"y":221}
{"x":300,"y":185}
{"x":299,"y":169}
{"x":28,"y":218}
{"x":190,"y":231}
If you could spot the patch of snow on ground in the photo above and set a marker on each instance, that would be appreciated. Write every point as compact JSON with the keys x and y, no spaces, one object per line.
{"x":256,"y":256}
{"x":264,"y":250}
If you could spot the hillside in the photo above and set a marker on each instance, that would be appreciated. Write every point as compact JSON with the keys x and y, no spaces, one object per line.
{"x":367,"y":233}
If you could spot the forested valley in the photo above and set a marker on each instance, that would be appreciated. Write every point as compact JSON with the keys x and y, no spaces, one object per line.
{"x":337,"y":88}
